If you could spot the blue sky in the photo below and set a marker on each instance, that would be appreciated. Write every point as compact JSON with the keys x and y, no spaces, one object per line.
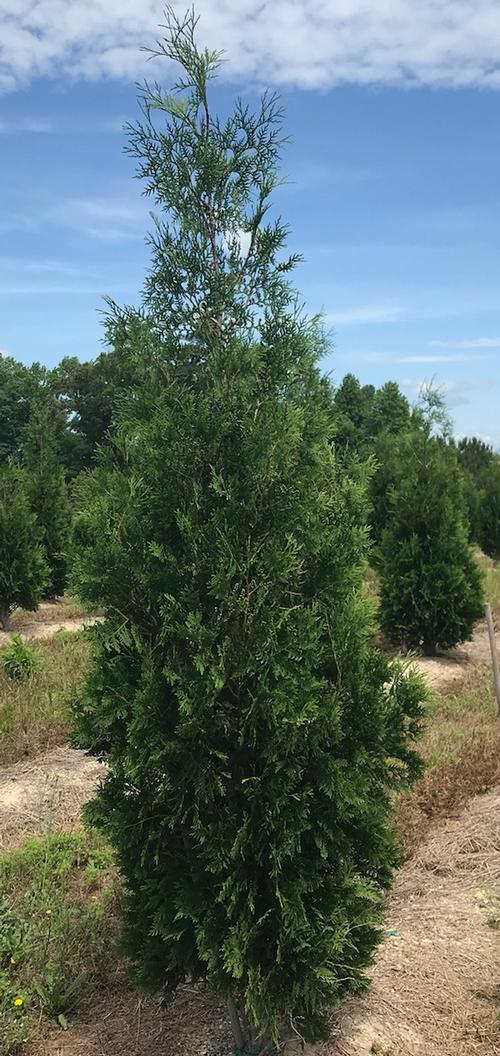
{"x":394,"y":179}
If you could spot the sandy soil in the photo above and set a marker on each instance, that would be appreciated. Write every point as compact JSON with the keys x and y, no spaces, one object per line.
{"x":50,"y":617}
{"x":45,"y":793}
{"x":454,"y":665}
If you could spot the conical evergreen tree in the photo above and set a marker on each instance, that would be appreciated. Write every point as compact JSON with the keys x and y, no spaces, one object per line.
{"x":430,"y":582}
{"x":48,"y":493}
{"x":253,"y":733}
{"x":489,"y":509}
{"x":23,"y":571}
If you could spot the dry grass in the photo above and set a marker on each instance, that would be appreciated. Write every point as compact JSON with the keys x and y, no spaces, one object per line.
{"x":491,"y":570}
{"x":461,"y":748}
{"x":61,"y":609}
{"x":34,"y":711}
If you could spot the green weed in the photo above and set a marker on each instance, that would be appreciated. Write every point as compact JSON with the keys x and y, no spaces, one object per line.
{"x":58,"y":924}
{"x":20,"y":659}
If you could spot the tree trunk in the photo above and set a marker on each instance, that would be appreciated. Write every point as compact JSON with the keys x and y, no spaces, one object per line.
{"x":235,"y":1024}
{"x":429,"y":649}
{"x":5,"y":617}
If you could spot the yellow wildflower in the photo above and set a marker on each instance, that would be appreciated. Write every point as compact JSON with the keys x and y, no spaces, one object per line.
{"x":19,"y":1002}
{"x":13,"y":960}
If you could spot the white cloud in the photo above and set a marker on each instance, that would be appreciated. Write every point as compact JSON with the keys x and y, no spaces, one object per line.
{"x":114,"y":218}
{"x":363,"y":314}
{"x":26,"y":124}
{"x":469,"y":343}
{"x":309,"y":43}
{"x":439,"y":358}
{"x":456,"y":392}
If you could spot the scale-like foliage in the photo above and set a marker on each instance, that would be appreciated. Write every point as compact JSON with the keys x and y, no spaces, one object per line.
{"x":431,"y":584}
{"x":252,"y":731}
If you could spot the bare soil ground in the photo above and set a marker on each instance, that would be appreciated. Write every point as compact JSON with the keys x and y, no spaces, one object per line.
{"x":452,"y":666}
{"x":50,"y":617}
{"x":45,"y":793}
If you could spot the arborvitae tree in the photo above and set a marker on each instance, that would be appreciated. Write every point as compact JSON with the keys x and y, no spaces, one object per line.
{"x":489,"y":509}
{"x":48,"y":494}
{"x":252,"y":731}
{"x":431,"y":584}
{"x":353,"y":405}
{"x":23,"y":571}
{"x":475,"y":458}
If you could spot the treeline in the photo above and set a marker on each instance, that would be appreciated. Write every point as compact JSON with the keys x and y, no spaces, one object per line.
{"x":376,"y":425}
{"x":53,"y":422}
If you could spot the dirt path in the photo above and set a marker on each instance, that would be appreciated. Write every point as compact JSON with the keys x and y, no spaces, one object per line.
{"x":49,"y":618}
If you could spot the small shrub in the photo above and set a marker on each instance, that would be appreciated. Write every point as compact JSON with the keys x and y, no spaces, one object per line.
{"x":20,"y":659}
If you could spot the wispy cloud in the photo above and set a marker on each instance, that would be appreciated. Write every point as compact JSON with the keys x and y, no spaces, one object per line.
{"x":456,"y":392}
{"x":113,"y":218}
{"x":468,"y":343}
{"x":310,"y":43}
{"x":360,"y":315}
{"x":438,"y":358}
{"x":23,"y":125}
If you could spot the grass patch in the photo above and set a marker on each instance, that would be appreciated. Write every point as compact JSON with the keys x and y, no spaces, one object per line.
{"x":34,"y":711}
{"x":491,"y":571}
{"x":461,"y":748}
{"x":59,"y":919}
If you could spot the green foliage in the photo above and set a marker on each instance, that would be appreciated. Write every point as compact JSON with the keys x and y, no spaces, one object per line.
{"x":475,"y":458}
{"x":253,"y":733}
{"x":18,"y":386}
{"x":23,"y":570}
{"x":489,"y":510}
{"x":431,"y":590}
{"x":20,"y":659}
{"x":47,"y":493}
{"x":89,"y":393}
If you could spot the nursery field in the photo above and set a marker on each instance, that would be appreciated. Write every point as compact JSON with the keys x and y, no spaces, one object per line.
{"x":64,"y":989}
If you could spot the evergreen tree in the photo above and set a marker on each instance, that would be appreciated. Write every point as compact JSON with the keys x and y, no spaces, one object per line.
{"x":253,"y":733}
{"x":47,"y":492}
{"x":475,"y":458}
{"x":431,"y":585}
{"x":489,"y":509}
{"x":23,"y":571}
